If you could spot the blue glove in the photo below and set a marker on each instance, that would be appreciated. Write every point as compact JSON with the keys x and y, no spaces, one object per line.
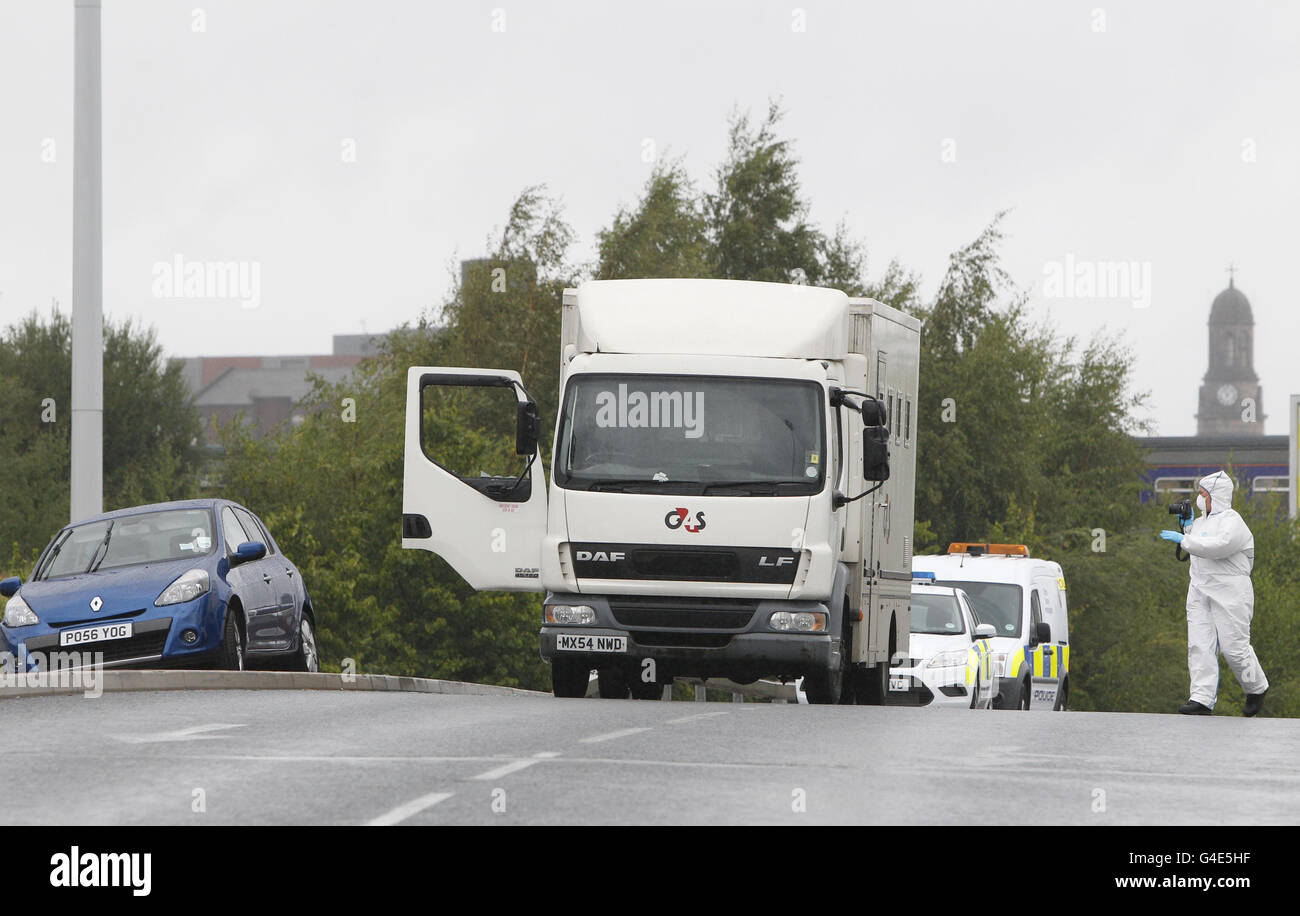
{"x":1174,"y":536}
{"x":1187,"y":522}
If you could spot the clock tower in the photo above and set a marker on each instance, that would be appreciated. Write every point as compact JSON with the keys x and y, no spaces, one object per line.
{"x":1230,"y":392}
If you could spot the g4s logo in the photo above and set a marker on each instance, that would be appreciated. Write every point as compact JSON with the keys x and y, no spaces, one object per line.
{"x":684,"y":518}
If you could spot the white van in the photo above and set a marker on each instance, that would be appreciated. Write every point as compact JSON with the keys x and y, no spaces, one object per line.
{"x":1024,"y":599}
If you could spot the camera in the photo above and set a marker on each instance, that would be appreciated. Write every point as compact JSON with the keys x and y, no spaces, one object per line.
{"x":1182,"y":508}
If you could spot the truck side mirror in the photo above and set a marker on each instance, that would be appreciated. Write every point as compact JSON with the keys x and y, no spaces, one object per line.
{"x":985,"y":631}
{"x":875,"y":453}
{"x":528,"y":428}
{"x":1043,"y":632}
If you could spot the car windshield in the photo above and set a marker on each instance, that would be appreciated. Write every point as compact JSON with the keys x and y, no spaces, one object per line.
{"x":996,"y":603}
{"x":936,"y":615}
{"x":692,"y":435}
{"x":151,"y":537}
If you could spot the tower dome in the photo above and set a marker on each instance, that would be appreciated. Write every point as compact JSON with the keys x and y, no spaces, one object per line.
{"x":1231,"y":307}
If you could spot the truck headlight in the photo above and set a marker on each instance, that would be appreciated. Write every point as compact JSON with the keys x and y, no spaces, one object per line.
{"x":19,"y":614}
{"x":570,"y":614}
{"x":187,"y":587}
{"x":798,"y":621}
{"x":951,"y":659}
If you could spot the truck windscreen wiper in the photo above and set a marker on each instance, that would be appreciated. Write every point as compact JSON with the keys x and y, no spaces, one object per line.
{"x":621,"y":484}
{"x":761,"y":487}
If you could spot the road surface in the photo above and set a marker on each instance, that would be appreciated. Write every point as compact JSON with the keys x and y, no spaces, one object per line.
{"x":316,"y":757}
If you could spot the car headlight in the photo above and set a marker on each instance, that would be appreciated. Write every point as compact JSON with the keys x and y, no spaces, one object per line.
{"x":19,"y":614}
{"x":999,"y":663}
{"x":798,"y":621}
{"x":187,"y":587}
{"x":950,"y":659}
{"x":570,"y":614}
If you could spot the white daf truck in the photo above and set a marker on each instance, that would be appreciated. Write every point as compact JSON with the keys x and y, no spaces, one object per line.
{"x":731,"y":488}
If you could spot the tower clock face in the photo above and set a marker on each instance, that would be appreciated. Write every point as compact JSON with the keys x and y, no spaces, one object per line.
{"x":1227,"y":395}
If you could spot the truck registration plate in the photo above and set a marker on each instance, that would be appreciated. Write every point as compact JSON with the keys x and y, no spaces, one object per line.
{"x":900,"y":683}
{"x":587,"y":642}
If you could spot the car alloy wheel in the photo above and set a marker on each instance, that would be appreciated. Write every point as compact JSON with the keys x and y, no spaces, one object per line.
{"x":308,"y":660}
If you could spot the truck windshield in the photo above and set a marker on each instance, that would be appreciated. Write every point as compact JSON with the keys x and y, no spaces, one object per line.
{"x":692,"y":434}
{"x":994,"y":602}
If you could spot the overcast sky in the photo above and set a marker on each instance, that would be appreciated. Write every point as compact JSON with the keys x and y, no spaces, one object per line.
{"x":1158,"y":134}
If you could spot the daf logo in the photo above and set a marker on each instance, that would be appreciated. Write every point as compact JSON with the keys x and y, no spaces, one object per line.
{"x":601,"y":556}
{"x":96,"y":603}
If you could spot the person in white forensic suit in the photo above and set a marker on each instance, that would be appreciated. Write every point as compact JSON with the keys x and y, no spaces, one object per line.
{"x":1220,"y":598}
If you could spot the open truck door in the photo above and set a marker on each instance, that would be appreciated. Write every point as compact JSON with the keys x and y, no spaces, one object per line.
{"x":489,"y":527}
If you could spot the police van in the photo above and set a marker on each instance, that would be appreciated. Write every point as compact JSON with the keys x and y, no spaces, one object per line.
{"x":1024,"y":599}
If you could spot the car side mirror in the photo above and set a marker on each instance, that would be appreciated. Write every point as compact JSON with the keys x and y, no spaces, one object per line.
{"x":9,"y":587}
{"x":247,"y":552}
{"x":1043,"y":632}
{"x":528,"y":428}
{"x":875,"y":453}
{"x":985,"y":631}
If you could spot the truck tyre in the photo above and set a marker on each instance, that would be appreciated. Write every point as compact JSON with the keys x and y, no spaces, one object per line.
{"x":1023,"y":701}
{"x":975,"y":695}
{"x":569,"y":678}
{"x":834,"y":687}
{"x":643,"y":690}
{"x":613,"y":683}
{"x":873,"y":684}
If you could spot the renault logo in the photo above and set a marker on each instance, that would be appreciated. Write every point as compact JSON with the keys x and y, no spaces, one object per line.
{"x":96,"y":603}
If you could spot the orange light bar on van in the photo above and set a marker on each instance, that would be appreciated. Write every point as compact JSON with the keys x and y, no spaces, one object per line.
{"x":975,"y":549}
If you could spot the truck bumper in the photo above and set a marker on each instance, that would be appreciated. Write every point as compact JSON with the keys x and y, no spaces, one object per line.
{"x":743,"y":652}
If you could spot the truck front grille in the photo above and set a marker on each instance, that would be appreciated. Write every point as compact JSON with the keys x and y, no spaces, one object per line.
{"x":683,"y":613}
{"x":678,"y":639}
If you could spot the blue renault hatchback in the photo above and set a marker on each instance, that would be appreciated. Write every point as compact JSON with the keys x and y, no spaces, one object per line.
{"x":199,"y":583}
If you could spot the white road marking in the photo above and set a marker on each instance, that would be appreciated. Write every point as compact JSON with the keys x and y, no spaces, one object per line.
{"x":193,"y":733}
{"x":410,"y":809}
{"x":546,"y":755}
{"x":702,"y":715}
{"x":610,"y":736}
{"x":513,"y":767}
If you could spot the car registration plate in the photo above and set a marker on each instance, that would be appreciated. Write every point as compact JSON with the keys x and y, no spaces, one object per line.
{"x":900,"y":683}
{"x":98,"y":633}
{"x":588,"y":642}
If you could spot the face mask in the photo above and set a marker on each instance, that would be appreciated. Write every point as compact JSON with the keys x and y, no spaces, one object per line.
{"x":1200,"y":503}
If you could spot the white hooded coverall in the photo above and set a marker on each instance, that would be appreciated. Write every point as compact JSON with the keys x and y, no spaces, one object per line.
{"x":1220,"y":597}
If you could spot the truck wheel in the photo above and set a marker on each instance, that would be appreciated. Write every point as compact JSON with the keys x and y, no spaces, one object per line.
{"x":569,"y":678}
{"x":975,"y":696}
{"x":873,"y":684}
{"x":613,"y":683}
{"x":829,"y":688}
{"x":1063,"y":697}
{"x":641,"y":690}
{"x":1023,"y":701}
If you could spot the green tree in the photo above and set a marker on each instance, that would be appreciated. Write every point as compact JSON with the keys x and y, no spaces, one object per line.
{"x":664,"y":235}
{"x":1022,"y":434}
{"x":331,"y":490}
{"x":150,"y":426}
